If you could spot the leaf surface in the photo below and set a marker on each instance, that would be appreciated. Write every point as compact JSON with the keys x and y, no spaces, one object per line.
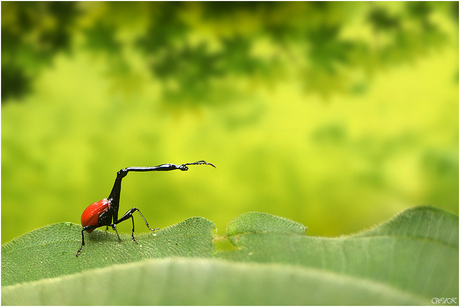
{"x":416,"y":251}
{"x":50,"y":251}
{"x":409,"y":259}
{"x":204,"y":282}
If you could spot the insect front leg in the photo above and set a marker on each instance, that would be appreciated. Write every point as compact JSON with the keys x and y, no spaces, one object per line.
{"x":129,"y":214}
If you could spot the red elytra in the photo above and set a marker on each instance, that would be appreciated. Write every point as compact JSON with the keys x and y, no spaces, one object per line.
{"x":90,"y":216}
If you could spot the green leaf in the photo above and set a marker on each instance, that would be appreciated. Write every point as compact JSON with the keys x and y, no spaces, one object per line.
{"x":259,"y":222}
{"x":415,"y":252}
{"x":408,"y":260}
{"x":50,"y":251}
{"x":204,"y":282}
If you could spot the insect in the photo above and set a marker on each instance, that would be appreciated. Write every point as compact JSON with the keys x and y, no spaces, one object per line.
{"x":105,"y":211}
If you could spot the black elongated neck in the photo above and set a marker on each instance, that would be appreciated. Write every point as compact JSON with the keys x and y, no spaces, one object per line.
{"x":114,"y":197}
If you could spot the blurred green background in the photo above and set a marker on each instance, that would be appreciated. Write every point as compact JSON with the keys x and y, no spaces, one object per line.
{"x":337,"y":115}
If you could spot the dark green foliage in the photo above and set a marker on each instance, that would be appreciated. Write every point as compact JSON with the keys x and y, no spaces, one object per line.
{"x":164,"y":40}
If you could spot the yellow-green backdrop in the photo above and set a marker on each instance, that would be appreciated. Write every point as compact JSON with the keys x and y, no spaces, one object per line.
{"x":336,"y":115}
